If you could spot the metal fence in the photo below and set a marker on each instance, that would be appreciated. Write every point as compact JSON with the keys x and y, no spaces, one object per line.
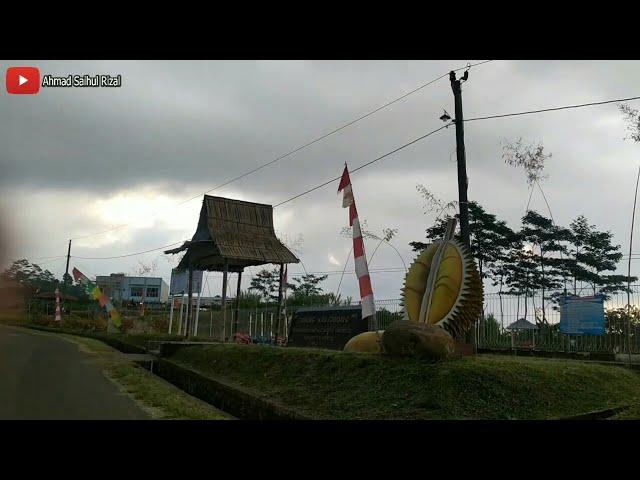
{"x":501,"y":310}
{"x":260,"y":323}
{"x":492,"y":329}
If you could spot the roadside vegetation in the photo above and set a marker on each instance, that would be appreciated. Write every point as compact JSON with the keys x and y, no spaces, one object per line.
{"x":333,"y":385}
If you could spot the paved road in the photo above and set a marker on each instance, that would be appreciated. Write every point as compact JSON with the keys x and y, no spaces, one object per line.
{"x":43,"y":377}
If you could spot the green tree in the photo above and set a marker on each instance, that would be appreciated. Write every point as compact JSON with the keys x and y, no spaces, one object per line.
{"x":266,"y":283}
{"x":307,"y":291}
{"x":248,"y":299}
{"x":545,"y":239}
{"x":632,"y":119}
{"x":307,"y":285}
{"x":615,"y":319}
{"x":531,"y":158}
{"x":31,"y":275}
{"x":489,"y":237}
{"x":521,"y":277}
{"x":591,"y":253}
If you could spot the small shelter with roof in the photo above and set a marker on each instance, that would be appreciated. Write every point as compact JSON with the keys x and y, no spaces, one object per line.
{"x":232,"y":235}
{"x":521,"y":324}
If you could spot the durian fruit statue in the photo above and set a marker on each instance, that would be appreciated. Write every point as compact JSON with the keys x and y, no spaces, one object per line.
{"x":367,"y":342}
{"x":442,"y":298}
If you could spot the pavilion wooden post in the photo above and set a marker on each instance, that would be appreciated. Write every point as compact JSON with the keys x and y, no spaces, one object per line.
{"x":277,"y":329}
{"x":235,"y":328}
{"x":224,"y":295}
{"x":187,"y":331}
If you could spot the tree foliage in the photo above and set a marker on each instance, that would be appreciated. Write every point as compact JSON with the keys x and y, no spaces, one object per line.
{"x":489,"y":236}
{"x":531,"y":158}
{"x":307,"y":285}
{"x":541,"y":258}
{"x":632,"y":120}
{"x":306,"y":289}
{"x":615,"y":319}
{"x":265,"y":283}
{"x":37,"y":280}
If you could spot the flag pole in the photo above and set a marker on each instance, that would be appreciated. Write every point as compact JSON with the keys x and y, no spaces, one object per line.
{"x":359,"y":256}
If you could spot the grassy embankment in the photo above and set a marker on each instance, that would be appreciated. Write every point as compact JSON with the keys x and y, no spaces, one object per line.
{"x":333,"y":385}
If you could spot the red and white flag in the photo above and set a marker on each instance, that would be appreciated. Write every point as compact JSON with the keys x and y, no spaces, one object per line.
{"x":360,"y":259}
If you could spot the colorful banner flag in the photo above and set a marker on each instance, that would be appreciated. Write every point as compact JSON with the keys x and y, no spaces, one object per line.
{"x":96,"y":293}
{"x":360,"y":259}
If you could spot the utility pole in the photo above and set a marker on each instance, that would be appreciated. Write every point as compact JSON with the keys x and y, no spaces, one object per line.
{"x":463,"y":182}
{"x":66,"y":272}
{"x":461,"y":156}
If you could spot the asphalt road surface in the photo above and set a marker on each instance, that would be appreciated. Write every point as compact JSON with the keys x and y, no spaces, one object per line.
{"x":44,"y":377}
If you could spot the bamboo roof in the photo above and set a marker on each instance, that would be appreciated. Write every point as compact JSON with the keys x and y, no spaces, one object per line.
{"x":233,"y":231}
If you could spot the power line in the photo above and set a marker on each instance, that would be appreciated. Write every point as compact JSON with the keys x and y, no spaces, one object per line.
{"x":363,"y":165}
{"x":47,"y":258}
{"x":129,"y":254}
{"x":52,"y":261}
{"x":591,"y":104}
{"x":445,"y":126}
{"x":302,"y":147}
{"x":394,"y":151}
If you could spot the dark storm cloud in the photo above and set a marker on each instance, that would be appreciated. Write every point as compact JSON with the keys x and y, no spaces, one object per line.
{"x":184,"y":121}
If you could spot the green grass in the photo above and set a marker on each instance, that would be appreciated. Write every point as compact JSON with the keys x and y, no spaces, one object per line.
{"x":158,"y":398}
{"x":334,"y":385}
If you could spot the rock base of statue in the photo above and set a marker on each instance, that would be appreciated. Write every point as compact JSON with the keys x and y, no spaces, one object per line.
{"x":463,"y":349}
{"x":412,"y":339}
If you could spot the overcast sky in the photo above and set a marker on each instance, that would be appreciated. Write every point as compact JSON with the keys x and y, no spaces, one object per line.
{"x":76,"y":161}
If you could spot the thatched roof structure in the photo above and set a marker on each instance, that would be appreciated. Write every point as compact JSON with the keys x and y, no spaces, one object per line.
{"x":233,"y":231}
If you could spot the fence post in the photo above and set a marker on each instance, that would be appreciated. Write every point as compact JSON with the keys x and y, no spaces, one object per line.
{"x":171,"y":316}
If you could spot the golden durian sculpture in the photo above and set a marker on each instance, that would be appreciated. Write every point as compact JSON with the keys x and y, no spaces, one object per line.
{"x":456,"y":298}
{"x":367,"y":342}
{"x":441,"y":298}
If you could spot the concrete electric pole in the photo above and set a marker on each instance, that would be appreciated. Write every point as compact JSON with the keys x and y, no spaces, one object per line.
{"x":463,"y":181}
{"x":66,"y":272}
{"x":461,"y":156}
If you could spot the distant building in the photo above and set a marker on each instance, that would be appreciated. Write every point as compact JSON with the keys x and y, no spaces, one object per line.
{"x":121,"y":289}
{"x":207,"y":301}
{"x":217,"y":300}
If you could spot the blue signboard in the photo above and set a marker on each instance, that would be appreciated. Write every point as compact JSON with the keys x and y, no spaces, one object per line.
{"x":582,"y":315}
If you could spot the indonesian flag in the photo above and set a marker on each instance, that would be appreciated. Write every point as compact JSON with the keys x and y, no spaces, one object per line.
{"x":360,"y":259}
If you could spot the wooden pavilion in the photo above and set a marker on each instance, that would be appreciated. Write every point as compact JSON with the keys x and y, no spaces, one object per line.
{"x":231,"y":235}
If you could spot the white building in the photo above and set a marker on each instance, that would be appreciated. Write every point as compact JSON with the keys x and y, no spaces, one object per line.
{"x":120,"y":288}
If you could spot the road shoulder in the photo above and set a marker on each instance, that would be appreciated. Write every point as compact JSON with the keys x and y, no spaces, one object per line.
{"x":155,"y":396}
